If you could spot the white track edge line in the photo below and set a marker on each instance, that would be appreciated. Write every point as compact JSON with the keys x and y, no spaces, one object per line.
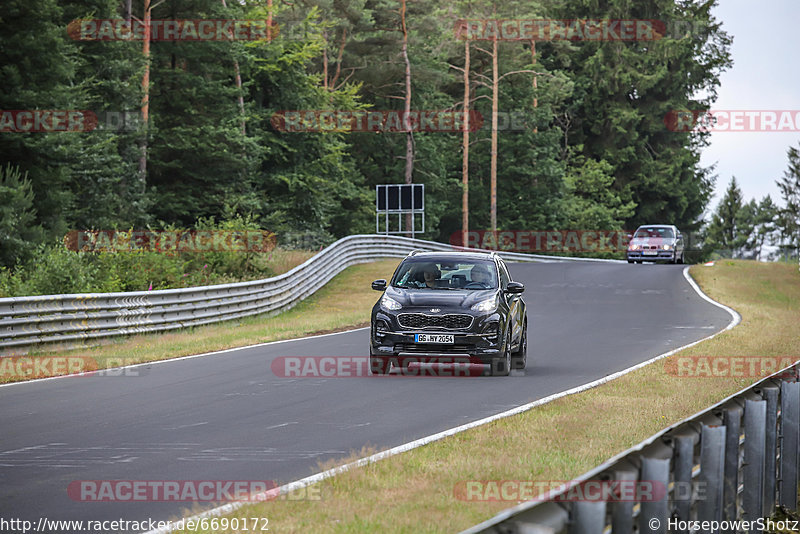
{"x":313,"y":479}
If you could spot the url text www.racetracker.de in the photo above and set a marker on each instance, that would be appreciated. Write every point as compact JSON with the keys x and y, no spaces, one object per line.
{"x":252,"y":524}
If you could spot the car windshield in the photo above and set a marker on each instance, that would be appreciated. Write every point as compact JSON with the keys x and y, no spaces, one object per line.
{"x":654,"y":232}
{"x":432,"y":273}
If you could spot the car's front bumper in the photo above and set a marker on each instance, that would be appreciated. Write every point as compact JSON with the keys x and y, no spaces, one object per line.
{"x":469,"y":346}
{"x":661,"y":255}
{"x":466,"y":348}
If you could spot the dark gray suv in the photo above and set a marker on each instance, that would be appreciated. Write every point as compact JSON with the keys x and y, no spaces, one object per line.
{"x":449,"y":307}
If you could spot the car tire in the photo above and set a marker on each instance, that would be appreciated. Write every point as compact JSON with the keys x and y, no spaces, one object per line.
{"x":681,"y":259}
{"x":378,"y":365}
{"x":502,"y":367}
{"x":519,"y":359}
{"x":630,"y":261}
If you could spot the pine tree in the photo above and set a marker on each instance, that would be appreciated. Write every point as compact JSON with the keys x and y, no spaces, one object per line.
{"x":789,"y":185}
{"x":725,"y":232}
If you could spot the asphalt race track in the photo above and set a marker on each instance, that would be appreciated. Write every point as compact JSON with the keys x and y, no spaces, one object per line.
{"x":228,"y":417}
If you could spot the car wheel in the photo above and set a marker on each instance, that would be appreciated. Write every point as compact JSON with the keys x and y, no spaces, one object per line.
{"x":378,"y":365}
{"x":680,"y":260}
{"x":630,"y":261}
{"x":502,"y":367}
{"x":519,"y":359}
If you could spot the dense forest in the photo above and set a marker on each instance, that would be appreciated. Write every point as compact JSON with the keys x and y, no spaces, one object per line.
{"x":199,"y":144}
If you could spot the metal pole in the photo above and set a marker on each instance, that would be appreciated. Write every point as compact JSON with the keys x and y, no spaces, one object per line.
{"x":732,"y":419}
{"x":683,"y":460}
{"x":790,"y":438}
{"x":654,"y":514}
{"x":712,"y":465}
{"x":770,"y":450}
{"x":588,"y":517}
{"x":622,"y":510}
{"x":755,"y":421}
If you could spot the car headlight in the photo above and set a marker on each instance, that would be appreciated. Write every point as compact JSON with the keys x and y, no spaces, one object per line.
{"x":488,"y":305}
{"x":666,"y":247}
{"x":633,"y":247}
{"x":390,"y":303}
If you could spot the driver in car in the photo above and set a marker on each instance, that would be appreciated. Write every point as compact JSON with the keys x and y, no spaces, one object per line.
{"x":480,"y":274}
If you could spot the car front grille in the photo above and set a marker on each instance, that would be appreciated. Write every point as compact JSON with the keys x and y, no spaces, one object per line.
{"x":429,"y":347}
{"x":451,"y":321}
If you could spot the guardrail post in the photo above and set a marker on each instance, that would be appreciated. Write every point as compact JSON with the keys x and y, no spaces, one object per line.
{"x":770,"y":394}
{"x":712,"y":456}
{"x":790,"y":438}
{"x":548,"y":516}
{"x":755,"y":420}
{"x":654,"y":514}
{"x":732,"y":419}
{"x":622,"y":511}
{"x":684,"y":462}
{"x":588,"y":517}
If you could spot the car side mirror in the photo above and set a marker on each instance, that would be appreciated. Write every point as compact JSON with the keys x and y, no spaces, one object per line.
{"x":515,"y":288}
{"x":379,"y":285}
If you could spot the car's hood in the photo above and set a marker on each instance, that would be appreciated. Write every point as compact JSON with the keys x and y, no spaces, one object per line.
{"x":439,"y":298}
{"x":657,"y":241}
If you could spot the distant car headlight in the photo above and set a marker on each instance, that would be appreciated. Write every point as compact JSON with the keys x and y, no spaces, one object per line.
{"x":633,"y":247}
{"x":390,"y":303}
{"x":666,"y":247}
{"x":488,"y":305}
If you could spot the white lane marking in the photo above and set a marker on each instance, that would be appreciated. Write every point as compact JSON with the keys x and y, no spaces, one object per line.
{"x":736,"y":317}
{"x":189,"y":357}
{"x":313,"y":479}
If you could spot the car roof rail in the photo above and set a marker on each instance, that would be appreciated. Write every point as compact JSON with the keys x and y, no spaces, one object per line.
{"x":414,"y":252}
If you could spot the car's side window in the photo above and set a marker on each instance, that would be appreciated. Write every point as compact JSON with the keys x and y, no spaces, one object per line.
{"x":504,"y":277}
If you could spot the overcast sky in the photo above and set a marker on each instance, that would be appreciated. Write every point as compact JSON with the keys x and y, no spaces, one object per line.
{"x":764,"y":76}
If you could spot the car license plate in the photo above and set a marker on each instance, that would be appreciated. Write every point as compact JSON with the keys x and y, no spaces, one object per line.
{"x":433,"y":338}
{"x":650,"y":253}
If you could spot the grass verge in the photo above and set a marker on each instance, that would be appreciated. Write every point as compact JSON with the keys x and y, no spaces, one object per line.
{"x":340,"y":305}
{"x":414,"y":492}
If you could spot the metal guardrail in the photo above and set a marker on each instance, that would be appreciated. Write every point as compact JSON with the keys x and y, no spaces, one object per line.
{"x":739,"y":458}
{"x":75,"y":319}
